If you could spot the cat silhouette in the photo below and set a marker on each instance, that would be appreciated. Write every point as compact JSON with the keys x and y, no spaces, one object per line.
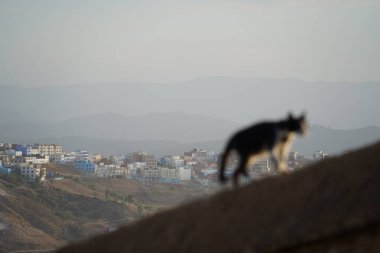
{"x":262,"y":140}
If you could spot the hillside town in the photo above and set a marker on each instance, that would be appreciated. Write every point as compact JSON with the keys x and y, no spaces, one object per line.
{"x":195,"y":166}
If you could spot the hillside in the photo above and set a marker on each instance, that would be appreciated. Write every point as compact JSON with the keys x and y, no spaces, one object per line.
{"x":332,"y":206}
{"x":50,"y":214}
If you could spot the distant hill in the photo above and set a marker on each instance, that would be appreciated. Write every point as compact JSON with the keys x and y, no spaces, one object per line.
{"x":204,"y":112}
{"x":110,"y":126}
{"x":343,"y":105}
{"x":336,"y":141}
{"x":332,"y":206}
{"x":163,"y":134}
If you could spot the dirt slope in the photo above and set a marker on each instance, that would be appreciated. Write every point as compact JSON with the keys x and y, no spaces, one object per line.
{"x":50,"y":214}
{"x":333,"y":206}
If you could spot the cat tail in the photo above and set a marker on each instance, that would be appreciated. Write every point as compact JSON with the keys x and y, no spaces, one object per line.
{"x":222,"y":176}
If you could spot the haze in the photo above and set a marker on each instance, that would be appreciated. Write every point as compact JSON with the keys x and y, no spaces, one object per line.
{"x":154,"y":70}
{"x":76,"y":42}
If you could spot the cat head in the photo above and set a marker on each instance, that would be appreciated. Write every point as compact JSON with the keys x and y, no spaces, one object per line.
{"x":297,"y":125}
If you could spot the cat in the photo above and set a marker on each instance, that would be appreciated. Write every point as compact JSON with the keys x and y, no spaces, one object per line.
{"x":261,"y":140}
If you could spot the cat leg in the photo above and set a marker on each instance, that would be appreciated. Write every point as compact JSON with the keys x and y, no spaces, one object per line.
{"x":276,"y":158}
{"x":236,"y":178}
{"x":240,"y":170}
{"x":283,"y":159}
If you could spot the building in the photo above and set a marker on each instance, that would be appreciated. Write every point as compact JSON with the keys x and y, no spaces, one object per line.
{"x":32,"y":150}
{"x":170,"y":175}
{"x":96,"y":157}
{"x":112,"y":170}
{"x":13,"y":153}
{"x":175,"y":175}
{"x":80,"y":154}
{"x":4,"y":170}
{"x":118,"y":159}
{"x":150,"y":174}
{"x":21,"y":148}
{"x":319,"y":155}
{"x":32,"y":172}
{"x":5,"y":145}
{"x":36,"y":159}
{"x":185,"y":174}
{"x":197,"y":154}
{"x":67,"y":158}
{"x":207,"y":176}
{"x":85,"y":165}
{"x":144,"y":157}
{"x":263,"y":166}
{"x":213,"y":156}
{"x":135,"y":167}
{"x":296,"y":160}
{"x":6,"y":159}
{"x":172,"y":161}
{"x":49,"y":149}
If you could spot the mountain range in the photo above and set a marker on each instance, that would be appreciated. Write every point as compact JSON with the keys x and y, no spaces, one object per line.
{"x":168,"y":118}
{"x":339,"y":105}
{"x":164,"y":134}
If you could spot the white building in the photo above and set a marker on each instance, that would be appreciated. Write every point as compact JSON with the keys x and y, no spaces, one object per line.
{"x":36,"y":159}
{"x":67,"y":157}
{"x":184,"y":174}
{"x":319,"y":155}
{"x":81,"y":155}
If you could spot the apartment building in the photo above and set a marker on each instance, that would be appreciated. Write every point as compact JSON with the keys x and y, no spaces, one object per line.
{"x":49,"y":149}
{"x":150,"y":174}
{"x":107,"y":171}
{"x":144,"y":157}
{"x":32,"y":172}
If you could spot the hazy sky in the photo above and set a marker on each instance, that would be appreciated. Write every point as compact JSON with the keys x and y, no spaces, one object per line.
{"x":66,"y":42}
